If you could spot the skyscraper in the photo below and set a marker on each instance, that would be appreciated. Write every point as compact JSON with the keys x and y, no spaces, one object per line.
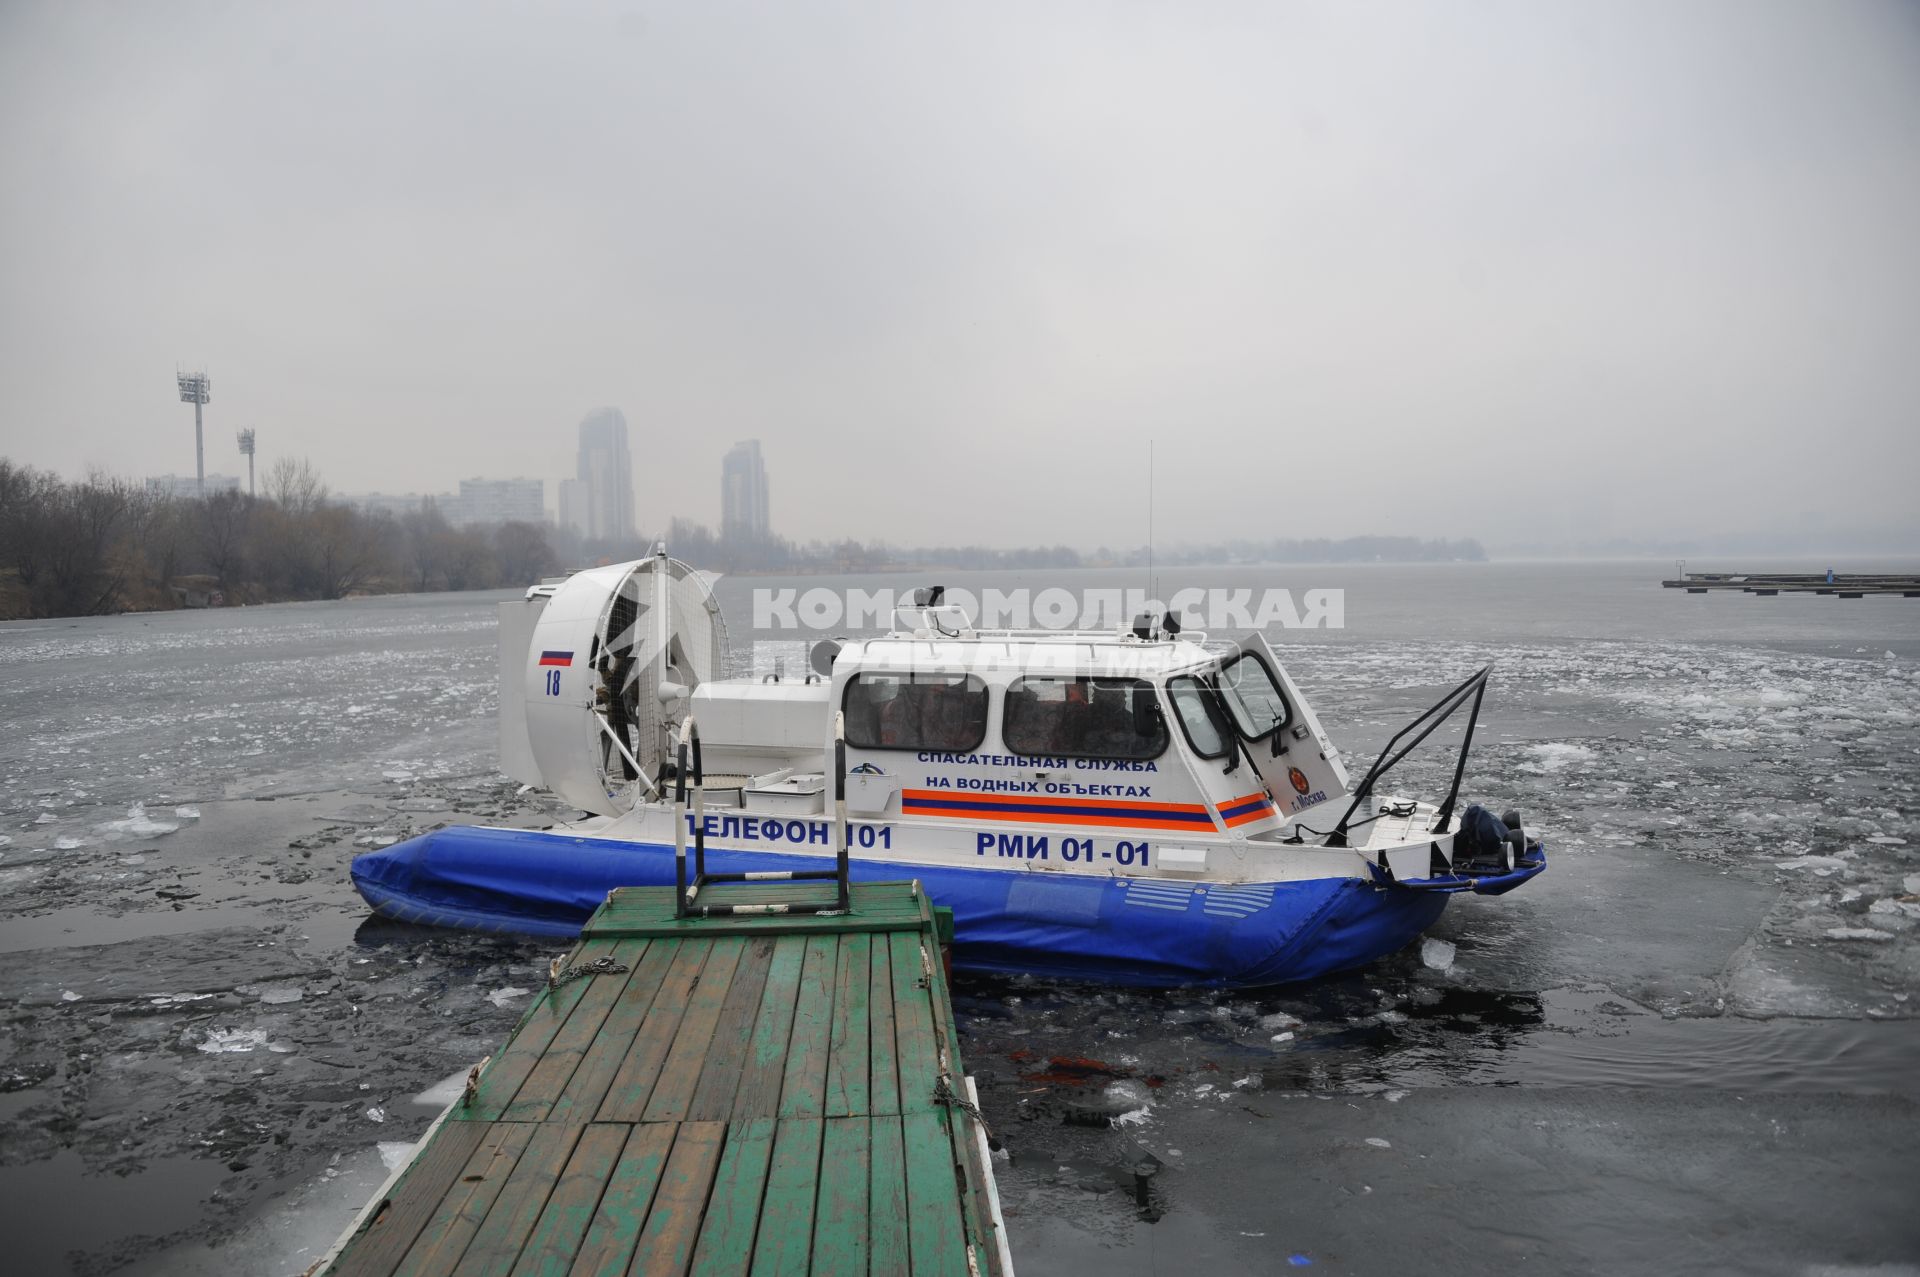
{"x":606,"y":473}
{"x":571,"y":506}
{"x":743,"y":493}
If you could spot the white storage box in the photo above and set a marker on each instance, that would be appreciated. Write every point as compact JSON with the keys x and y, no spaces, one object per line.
{"x":801,"y":795}
{"x":868,"y":795}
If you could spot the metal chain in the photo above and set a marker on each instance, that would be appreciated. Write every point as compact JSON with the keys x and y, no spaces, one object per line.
{"x":943,"y":1093}
{"x":558,"y":975}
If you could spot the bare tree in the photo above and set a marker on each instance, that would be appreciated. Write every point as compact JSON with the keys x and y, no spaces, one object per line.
{"x":66,"y":542}
{"x":427,"y":545}
{"x":348,"y":549}
{"x":295,"y":486}
{"x":522,"y":553}
{"x":469,"y":561}
{"x":221,"y":533}
{"x":25,"y":497}
{"x":162,"y":535}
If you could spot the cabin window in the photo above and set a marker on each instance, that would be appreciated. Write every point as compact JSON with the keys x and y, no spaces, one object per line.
{"x":1200,"y":717}
{"x":918,"y":711}
{"x":1253,"y":695}
{"x":1084,"y":718}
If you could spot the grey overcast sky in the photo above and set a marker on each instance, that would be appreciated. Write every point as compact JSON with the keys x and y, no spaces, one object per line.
{"x":1610,"y":269}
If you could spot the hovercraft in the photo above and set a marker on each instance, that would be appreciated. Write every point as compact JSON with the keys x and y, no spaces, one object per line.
{"x":1136,"y":806}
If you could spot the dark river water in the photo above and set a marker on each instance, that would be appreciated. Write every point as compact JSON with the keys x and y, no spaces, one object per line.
{"x":1689,"y":1047}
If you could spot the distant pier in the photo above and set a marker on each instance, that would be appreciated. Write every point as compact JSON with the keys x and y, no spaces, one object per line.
{"x":1846,"y":585}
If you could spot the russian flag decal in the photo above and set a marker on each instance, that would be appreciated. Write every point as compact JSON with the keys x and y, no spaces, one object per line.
{"x":556,"y":658}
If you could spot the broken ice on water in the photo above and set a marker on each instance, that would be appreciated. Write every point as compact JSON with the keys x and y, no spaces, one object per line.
{"x":233,"y":1041}
{"x":1555,"y":756}
{"x":136,"y":824}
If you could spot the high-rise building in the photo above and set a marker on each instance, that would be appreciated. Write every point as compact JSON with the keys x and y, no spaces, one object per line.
{"x":500,"y":501}
{"x":743,"y":493}
{"x":606,"y":472}
{"x":398,"y":504}
{"x":570,"y":506}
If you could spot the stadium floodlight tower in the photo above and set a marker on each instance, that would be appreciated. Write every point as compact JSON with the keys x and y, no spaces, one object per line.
{"x":194,"y":388}
{"x":246,"y":450}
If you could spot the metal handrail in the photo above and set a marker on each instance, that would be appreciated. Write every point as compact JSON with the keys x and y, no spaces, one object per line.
{"x":685,"y":891}
{"x":1439,"y":712}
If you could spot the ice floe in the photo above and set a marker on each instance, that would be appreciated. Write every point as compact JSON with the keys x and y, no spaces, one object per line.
{"x":1556,"y":756}
{"x":136,"y":824}
{"x":233,"y":1041}
{"x":1437,"y":954}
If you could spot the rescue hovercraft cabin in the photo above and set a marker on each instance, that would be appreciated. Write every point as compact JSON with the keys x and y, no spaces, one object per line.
{"x":1137,"y":806}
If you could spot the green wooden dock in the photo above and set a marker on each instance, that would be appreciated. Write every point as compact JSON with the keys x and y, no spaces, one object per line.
{"x":766,"y":1093}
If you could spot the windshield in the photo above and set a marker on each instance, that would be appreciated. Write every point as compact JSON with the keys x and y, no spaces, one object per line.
{"x":1253,"y":696}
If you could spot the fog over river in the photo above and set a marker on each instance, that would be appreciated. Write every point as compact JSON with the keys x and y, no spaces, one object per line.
{"x":1690,"y":1046}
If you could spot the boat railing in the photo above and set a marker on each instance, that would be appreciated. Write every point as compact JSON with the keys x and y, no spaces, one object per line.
{"x":1039,"y":635}
{"x":687,"y":887}
{"x":1426,"y":723}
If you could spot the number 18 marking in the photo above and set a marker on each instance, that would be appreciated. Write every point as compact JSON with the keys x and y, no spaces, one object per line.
{"x":553,"y":682}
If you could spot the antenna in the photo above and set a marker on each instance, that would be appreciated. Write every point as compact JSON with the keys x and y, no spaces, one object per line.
{"x":246,"y":450}
{"x":1151,"y":587}
{"x":196,"y":389}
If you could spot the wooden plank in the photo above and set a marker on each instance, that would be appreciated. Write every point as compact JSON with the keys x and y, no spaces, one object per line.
{"x":874,"y":907}
{"x":461,"y":1211}
{"x":673,"y":1224}
{"x":976,"y":1206}
{"x":766,"y":1062}
{"x":803,"y":1091}
{"x":887,"y":1245}
{"x":848,"y":1045}
{"x":392,"y":1229}
{"x":651,"y":911}
{"x":936,"y":1235}
{"x":733,"y":1209}
{"x":501,"y":1080}
{"x":497,"y":1243}
{"x":625,"y":1203}
{"x":652,"y":904}
{"x":762,"y":925}
{"x":840,"y":1220}
{"x":548,"y":1078}
{"x":562,"y":1225}
{"x":627,"y":1093}
{"x":727,"y":1056}
{"x":680,"y":1072}
{"x":785,"y":1241}
{"x":915,"y":1047}
{"x":588,"y":1085}
{"x":883,"y":1083}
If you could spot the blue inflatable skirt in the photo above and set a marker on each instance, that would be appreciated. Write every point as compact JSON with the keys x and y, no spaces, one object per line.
{"x":1133,"y":931}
